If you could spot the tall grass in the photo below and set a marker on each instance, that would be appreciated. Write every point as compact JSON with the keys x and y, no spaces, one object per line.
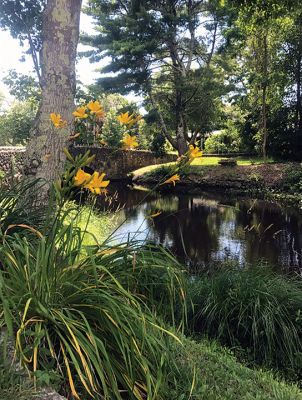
{"x":252,"y":308}
{"x":88,"y":317}
{"x":18,"y":205}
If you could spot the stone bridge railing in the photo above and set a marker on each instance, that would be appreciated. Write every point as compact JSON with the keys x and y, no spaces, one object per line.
{"x":115,"y":163}
{"x":118,"y":163}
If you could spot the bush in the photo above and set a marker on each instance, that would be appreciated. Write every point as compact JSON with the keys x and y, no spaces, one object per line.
{"x":16,"y":123}
{"x":292,"y":180}
{"x":158,"y":145}
{"x":254,"y":309}
{"x":226,"y":141}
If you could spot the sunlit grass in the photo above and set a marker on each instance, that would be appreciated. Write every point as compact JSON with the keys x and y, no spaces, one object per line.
{"x":95,"y":225}
{"x":204,"y":162}
{"x":240,"y":160}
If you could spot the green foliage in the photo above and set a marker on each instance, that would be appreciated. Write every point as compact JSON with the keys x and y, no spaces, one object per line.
{"x":13,"y":384}
{"x":153,"y":48}
{"x":16,"y":123}
{"x":23,"y":19}
{"x":22,"y":87}
{"x":216,"y":143}
{"x":161,"y":172}
{"x":225,"y":141}
{"x":292,"y":180}
{"x":158,"y":144}
{"x":2,"y":175}
{"x":112,"y":131}
{"x":17,"y":205}
{"x":255,"y":309}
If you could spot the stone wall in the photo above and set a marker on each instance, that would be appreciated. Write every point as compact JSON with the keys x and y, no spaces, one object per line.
{"x":118,"y":163}
{"x":115,"y":163}
{"x":11,"y":162}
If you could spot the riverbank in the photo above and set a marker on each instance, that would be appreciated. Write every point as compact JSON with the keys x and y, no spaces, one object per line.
{"x":276,"y":181}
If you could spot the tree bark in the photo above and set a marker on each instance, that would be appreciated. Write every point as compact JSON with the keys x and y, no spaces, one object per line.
{"x":298,"y":117}
{"x":181,"y":127}
{"x":60,"y":34}
{"x":162,"y":121}
{"x":264,"y":97}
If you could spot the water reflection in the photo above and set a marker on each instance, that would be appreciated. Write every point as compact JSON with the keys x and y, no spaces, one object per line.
{"x":211,"y":227}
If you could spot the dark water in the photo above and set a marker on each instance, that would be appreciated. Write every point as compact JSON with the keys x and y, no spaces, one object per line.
{"x":203,"y":229}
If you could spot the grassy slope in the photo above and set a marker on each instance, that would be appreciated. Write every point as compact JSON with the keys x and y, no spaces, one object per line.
{"x":219,"y":376}
{"x":204,"y":161}
{"x":214,"y":372}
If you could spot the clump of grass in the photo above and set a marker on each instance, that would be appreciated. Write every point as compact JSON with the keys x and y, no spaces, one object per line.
{"x":13,"y":384}
{"x":87,"y":317}
{"x":252,"y":308}
{"x":17,"y":205}
{"x":161,"y":172}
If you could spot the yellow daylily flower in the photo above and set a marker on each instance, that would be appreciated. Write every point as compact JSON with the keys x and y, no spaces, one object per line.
{"x":81,"y":178}
{"x":156,"y":214}
{"x":103,"y":142}
{"x":57,"y":120}
{"x":96,"y":109}
{"x":173,"y":179}
{"x":71,"y":137}
{"x":94,"y":106}
{"x":129,"y":142}
{"x":124,"y":118}
{"x":194,"y":152}
{"x":130,"y":120}
{"x":134,"y":120}
{"x":96,"y":183}
{"x":80,"y":112}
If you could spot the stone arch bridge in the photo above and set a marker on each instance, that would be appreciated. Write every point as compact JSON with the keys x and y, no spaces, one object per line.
{"x":115,"y":163}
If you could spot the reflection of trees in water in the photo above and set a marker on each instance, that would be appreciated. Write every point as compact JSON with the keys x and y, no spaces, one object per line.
{"x":123,"y":195}
{"x":191,"y":232}
{"x":271,"y":233}
{"x":197,"y":228}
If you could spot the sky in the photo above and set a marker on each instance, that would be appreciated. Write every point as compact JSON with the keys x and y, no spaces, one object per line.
{"x":11,"y":52}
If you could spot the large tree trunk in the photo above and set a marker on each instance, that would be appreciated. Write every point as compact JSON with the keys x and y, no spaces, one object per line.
{"x":60,"y":34}
{"x":264,"y":97}
{"x":181,"y":127}
{"x":182,"y":146}
{"x":298,"y":117}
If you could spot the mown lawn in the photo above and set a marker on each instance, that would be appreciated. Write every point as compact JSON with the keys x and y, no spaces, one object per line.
{"x":204,"y":162}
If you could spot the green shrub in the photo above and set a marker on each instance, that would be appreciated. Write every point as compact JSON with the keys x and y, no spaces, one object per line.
{"x":158,"y":144}
{"x":254,"y":309}
{"x":16,"y":123}
{"x":292,"y":180}
{"x":226,"y":141}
